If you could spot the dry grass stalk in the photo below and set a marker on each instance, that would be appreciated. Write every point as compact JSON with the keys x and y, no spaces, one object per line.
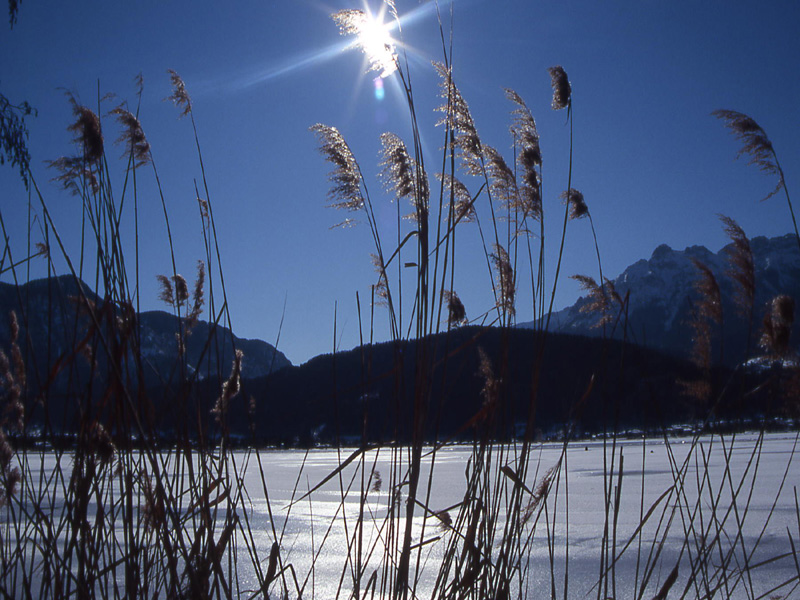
{"x":13,"y":413}
{"x":777,"y":328}
{"x":755,"y":144}
{"x":345,"y":177}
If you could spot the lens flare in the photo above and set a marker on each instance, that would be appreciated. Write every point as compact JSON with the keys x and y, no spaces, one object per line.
{"x":373,"y":38}
{"x":379,"y":91}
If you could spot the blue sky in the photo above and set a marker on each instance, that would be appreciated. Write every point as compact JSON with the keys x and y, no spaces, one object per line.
{"x":653,"y":165}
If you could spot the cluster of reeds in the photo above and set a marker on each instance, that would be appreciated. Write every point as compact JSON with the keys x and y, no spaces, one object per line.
{"x":116,"y":512}
{"x":499,"y":517}
{"x":94,"y":503}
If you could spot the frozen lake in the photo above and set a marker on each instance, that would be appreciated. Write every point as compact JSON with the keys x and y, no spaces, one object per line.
{"x":723,"y":510}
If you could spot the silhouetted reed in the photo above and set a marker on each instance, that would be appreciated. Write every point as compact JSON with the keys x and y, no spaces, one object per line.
{"x":126,"y":512}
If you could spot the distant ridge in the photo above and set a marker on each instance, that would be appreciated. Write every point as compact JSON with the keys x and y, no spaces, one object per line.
{"x":51,"y":323}
{"x":661,"y":296}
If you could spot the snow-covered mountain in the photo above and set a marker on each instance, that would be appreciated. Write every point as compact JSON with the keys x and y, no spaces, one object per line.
{"x":661,"y":294}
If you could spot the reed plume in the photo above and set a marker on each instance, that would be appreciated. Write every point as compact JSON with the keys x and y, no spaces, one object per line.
{"x":197,"y":294}
{"x":577,"y":205}
{"x":463,"y":209}
{"x":88,"y":132}
{"x":458,"y":119}
{"x":529,"y":157}
{"x":538,"y":495}
{"x":77,"y":172}
{"x":456,"y":313}
{"x":17,"y":361}
{"x":230,"y":388}
{"x":742,"y":269}
{"x":562,"y":90}
{"x":179,"y":97}
{"x":132,"y":136}
{"x":74,"y":174}
{"x":755,"y":144}
{"x":491,"y":384}
{"x":504,"y":277}
{"x":166,"y":293}
{"x":707,"y":311}
{"x":403,"y":175}
{"x":381,"y":288}
{"x":100,"y":444}
{"x":377,"y":481}
{"x":345,"y":192}
{"x":777,"y":329}
{"x":181,"y":289}
{"x":503,"y":183}
{"x":599,"y":299}
{"x":707,"y":288}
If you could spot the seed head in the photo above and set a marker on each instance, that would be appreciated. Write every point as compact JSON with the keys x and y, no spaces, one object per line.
{"x":577,"y":205}
{"x":136,"y":145}
{"x":504,"y":278}
{"x":562,"y":90}
{"x":463,"y":210}
{"x":777,"y":328}
{"x":459,"y":119}
{"x":345,"y":177}
{"x":755,"y":144}
{"x":529,"y":157}
{"x":403,"y":175}
{"x":741,"y":267}
{"x":88,"y":133}
{"x":457,"y":314}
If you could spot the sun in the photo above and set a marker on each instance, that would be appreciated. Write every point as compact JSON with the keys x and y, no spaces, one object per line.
{"x":372,"y":36}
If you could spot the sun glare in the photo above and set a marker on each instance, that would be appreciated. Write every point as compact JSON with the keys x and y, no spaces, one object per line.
{"x":373,"y":38}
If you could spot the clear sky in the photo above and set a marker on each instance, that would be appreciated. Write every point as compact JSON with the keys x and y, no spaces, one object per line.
{"x":652,"y":163}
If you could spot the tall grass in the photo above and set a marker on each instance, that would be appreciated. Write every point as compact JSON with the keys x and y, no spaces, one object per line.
{"x":116,"y":512}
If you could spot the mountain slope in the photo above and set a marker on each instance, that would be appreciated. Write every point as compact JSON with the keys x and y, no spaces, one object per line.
{"x":661,"y":296}
{"x":54,"y":324}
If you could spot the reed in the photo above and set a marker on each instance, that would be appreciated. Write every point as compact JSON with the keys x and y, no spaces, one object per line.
{"x":116,"y":511}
